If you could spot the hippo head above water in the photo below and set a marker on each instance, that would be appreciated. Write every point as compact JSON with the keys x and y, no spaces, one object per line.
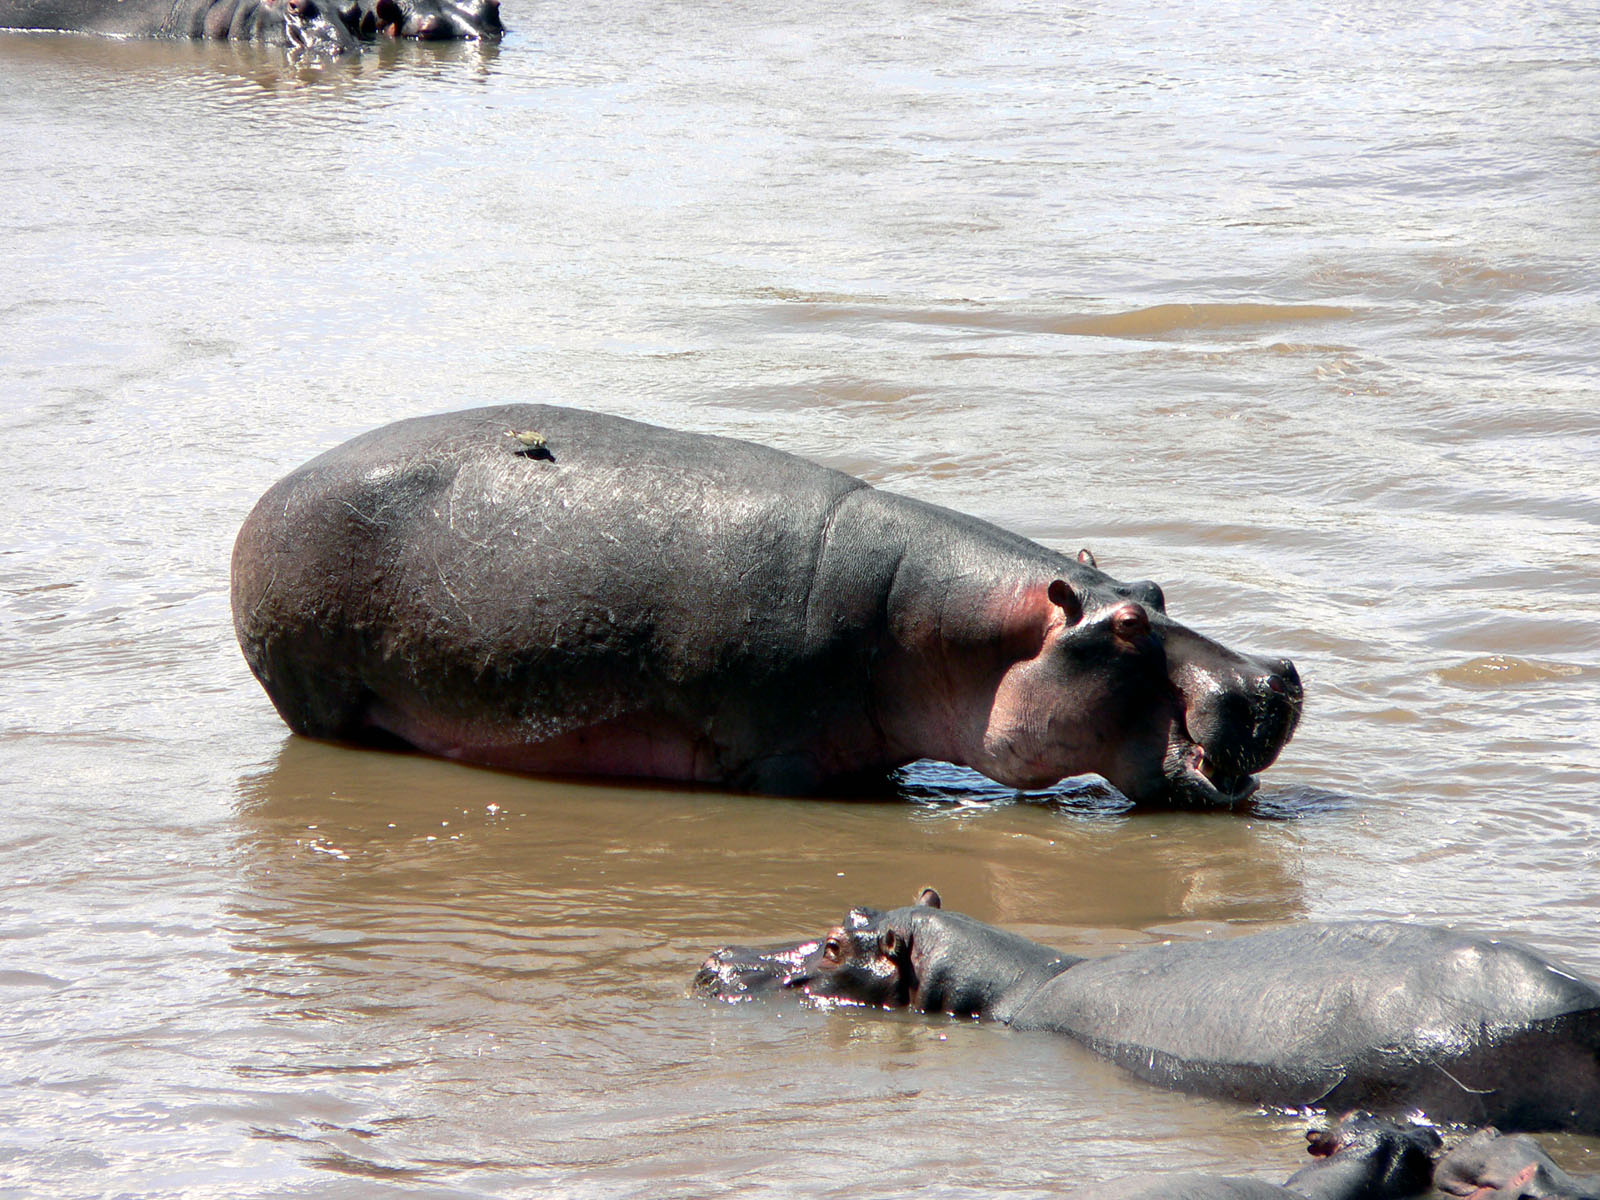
{"x":1212,"y":716}
{"x":919,"y":957}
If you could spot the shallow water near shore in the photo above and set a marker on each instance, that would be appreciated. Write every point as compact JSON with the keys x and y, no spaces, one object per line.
{"x":1293,"y":310}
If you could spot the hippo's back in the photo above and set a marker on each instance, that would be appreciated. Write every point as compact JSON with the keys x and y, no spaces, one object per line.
{"x":1380,"y":1015}
{"x":447,"y":566}
{"x":1184,"y":1186}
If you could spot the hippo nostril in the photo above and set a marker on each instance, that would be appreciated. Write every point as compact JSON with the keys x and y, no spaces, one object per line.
{"x":1281,"y":679}
{"x":1290,"y":678}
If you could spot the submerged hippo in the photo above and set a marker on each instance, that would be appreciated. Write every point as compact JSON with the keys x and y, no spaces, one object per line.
{"x":552,"y":590}
{"x":326,"y":26}
{"x":1490,"y":1165}
{"x":1362,"y":1158}
{"x":1362,"y":1014}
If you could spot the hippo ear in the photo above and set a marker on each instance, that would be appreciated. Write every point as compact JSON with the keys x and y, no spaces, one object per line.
{"x":1086,"y":558}
{"x":928,"y":898}
{"x":1064,"y":598}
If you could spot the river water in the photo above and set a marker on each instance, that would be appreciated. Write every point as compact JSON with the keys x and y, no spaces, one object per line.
{"x":1292,"y":308}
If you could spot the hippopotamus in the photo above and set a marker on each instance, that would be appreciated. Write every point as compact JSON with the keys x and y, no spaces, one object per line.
{"x":1380,"y":1015}
{"x":1490,"y":1165}
{"x":551,"y":590}
{"x":1361,"y":1158}
{"x":330,"y":27}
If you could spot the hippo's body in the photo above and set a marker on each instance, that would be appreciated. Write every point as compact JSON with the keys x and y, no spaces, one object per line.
{"x":326,"y":26}
{"x":602,"y":596}
{"x":1381,"y":1015}
{"x":1369,"y":1014}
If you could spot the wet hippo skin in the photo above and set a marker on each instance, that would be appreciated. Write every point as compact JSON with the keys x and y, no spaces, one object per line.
{"x":1491,"y":1165}
{"x":600,"y":596}
{"x":1379,"y":1015}
{"x":1362,"y":1158}
{"x":325,"y":26}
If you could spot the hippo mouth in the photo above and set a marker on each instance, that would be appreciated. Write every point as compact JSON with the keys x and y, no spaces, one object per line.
{"x":1197,"y":778}
{"x":1225,"y":734}
{"x":737,"y":973}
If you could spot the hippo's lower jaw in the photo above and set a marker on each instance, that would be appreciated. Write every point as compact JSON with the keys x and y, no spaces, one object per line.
{"x":1194,"y":780}
{"x":1226,"y":735}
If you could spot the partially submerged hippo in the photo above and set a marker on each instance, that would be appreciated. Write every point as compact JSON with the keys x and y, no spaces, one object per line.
{"x":553,"y":590}
{"x":325,"y":26}
{"x":1490,"y":1165}
{"x":1362,"y":1158}
{"x":1362,"y":1014}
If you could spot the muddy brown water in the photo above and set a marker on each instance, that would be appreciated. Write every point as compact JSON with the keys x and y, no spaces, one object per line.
{"x":1294,"y":309}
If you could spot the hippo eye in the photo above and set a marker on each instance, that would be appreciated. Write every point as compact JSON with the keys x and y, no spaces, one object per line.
{"x":1130,"y":622}
{"x":888,"y":943}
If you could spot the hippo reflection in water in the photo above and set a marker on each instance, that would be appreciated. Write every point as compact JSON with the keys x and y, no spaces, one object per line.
{"x":324,"y":26}
{"x":1378,"y":1015}
{"x":551,"y":590}
{"x":1361,"y":1158}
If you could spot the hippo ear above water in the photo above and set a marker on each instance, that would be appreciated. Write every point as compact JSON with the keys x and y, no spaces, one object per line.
{"x":1064,"y":598}
{"x":1087,"y":559}
{"x":928,"y":898}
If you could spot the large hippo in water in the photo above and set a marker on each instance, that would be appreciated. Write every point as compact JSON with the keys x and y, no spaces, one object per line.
{"x":1362,"y":1158}
{"x":547,"y":589}
{"x":326,"y":26}
{"x":1362,"y":1014}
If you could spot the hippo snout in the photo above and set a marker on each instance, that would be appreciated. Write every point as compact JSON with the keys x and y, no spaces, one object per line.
{"x":483,"y":18}
{"x":744,"y":972}
{"x":1239,"y":713}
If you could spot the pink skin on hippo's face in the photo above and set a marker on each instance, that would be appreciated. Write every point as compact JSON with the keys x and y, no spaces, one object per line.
{"x":1117,"y":689}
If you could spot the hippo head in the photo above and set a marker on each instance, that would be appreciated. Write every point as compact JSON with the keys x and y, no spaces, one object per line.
{"x":425,"y":20}
{"x":1394,"y":1158}
{"x":1496,"y":1166}
{"x":850,"y":965}
{"x":918,"y":957}
{"x":1114,"y":686}
{"x":315,"y":29}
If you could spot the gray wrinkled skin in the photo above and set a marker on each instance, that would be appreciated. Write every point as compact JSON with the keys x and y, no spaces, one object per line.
{"x":1490,"y":1165}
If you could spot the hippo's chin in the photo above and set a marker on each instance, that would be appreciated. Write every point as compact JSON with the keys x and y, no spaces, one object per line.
{"x":1192,"y":783}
